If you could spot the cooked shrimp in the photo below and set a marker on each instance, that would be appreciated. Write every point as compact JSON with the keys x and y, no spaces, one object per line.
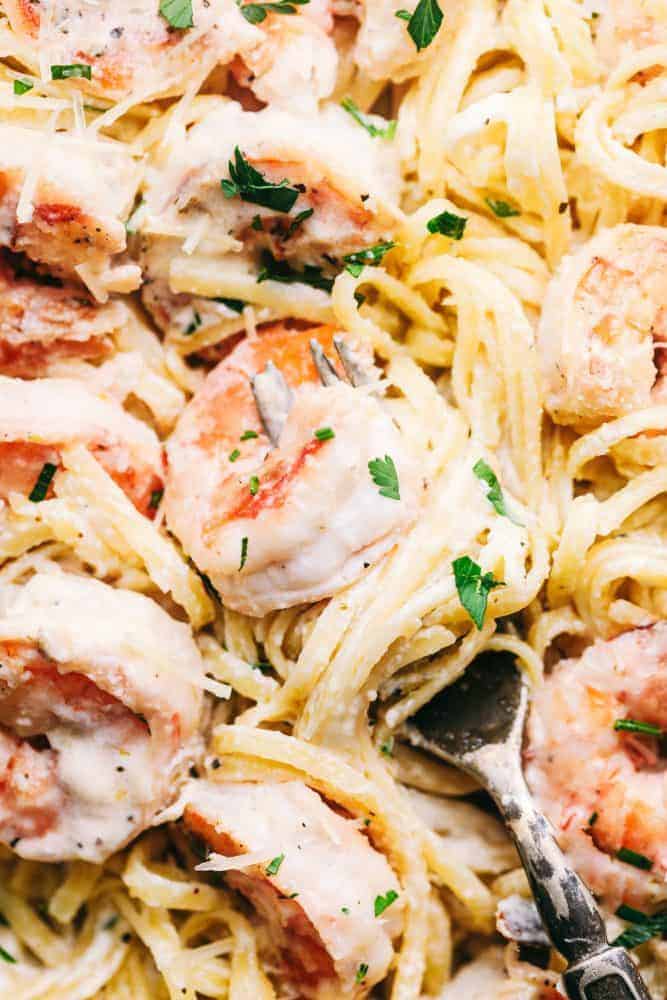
{"x":98,"y":716}
{"x":133,"y":50}
{"x":311,"y":154}
{"x":275,"y":527}
{"x":39,"y":418}
{"x":72,"y":218}
{"x":603,"y":331}
{"x":604,"y":788}
{"x":624,"y":27}
{"x":43,"y":322}
{"x":312,"y":876}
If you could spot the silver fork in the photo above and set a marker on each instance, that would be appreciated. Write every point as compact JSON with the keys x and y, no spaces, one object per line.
{"x":477,"y":724}
{"x":274,"y":398}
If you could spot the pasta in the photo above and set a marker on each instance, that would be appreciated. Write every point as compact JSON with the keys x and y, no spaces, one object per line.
{"x":306,"y":308}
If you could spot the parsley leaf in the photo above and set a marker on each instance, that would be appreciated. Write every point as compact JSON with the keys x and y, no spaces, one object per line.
{"x":156,"y":497}
{"x":424,"y":23}
{"x":383,"y":133}
{"x":382,"y":902}
{"x":280,"y":270}
{"x":244,"y":551}
{"x":495,"y":494}
{"x":635,"y":859}
{"x":383,"y":473}
{"x":362,"y":972}
{"x":41,"y":487}
{"x":177,"y":12}
{"x":73,"y":70}
{"x":448,"y":224}
{"x":644,"y":927}
{"x":253,"y":485}
{"x":248,"y":435}
{"x":387,"y":747}
{"x":370,"y":255}
{"x":473,"y":588}
{"x":632,"y":726}
{"x":324,"y":434}
{"x":193,"y":325}
{"x":404,"y":15}
{"x":296,"y":222}
{"x":6,"y":957}
{"x":274,"y":866}
{"x":501,"y":208}
{"x":250,"y":185}
{"x":236,"y":305}
{"x":255,"y":13}
{"x":22,"y":87}
{"x":233,"y":455}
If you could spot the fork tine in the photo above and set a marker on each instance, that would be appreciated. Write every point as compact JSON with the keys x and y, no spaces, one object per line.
{"x":273,"y":398}
{"x":325,"y":369}
{"x":356,"y":372}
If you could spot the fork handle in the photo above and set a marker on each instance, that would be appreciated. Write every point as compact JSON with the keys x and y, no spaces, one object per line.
{"x":596,"y":971}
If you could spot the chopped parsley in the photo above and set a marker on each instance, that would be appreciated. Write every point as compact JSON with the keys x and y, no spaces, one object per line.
{"x":501,"y":208}
{"x":370,"y":255}
{"x":244,"y":551}
{"x":362,"y":972}
{"x":178,"y":13}
{"x":644,"y":927}
{"x":324,"y":434}
{"x":154,"y":501}
{"x":297,"y":221}
{"x":255,"y":13}
{"x":280,"y":270}
{"x":248,"y":435}
{"x":494,"y":494}
{"x":22,"y":87}
{"x":110,"y":923}
{"x":382,"y":902}
{"x":424,"y":22}
{"x":593,"y":818}
{"x":274,"y":866}
{"x":253,"y":485}
{"x":631,"y":857}
{"x":257,"y":223}
{"x":71,"y":71}
{"x":345,"y":910}
{"x":387,"y":747}
{"x":388,"y":132}
{"x":448,"y":224}
{"x":236,"y":305}
{"x":384,"y":475}
{"x":41,"y":487}
{"x":233,"y":455}
{"x":473,"y":588}
{"x":193,"y":325}
{"x":632,"y":726}
{"x":250,"y":185}
{"x":6,"y":957}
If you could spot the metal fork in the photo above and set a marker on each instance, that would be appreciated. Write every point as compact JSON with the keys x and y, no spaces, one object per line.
{"x":274,"y":398}
{"x":477,"y":724}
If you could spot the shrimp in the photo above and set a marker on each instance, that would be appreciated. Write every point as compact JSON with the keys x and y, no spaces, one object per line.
{"x":312,"y":876}
{"x":605,"y":788}
{"x":44,"y":321}
{"x":72,"y":218}
{"x":332,"y":212}
{"x":275,"y":527}
{"x":99,"y":716}
{"x":603,"y":331}
{"x":132,"y":50}
{"x":39,"y":418}
{"x":626,"y":27}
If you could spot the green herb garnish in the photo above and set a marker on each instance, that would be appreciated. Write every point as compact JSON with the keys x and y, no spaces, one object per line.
{"x":362,"y":972}
{"x":250,"y":185}
{"x":6,"y":957}
{"x":233,"y":455}
{"x":324,"y":434}
{"x":632,"y":726}
{"x":501,"y":208}
{"x":280,"y":270}
{"x":255,"y":13}
{"x":494,"y":494}
{"x":177,"y":12}
{"x":384,"y":475}
{"x":388,"y":132}
{"x":371,"y":256}
{"x":273,"y":866}
{"x":41,"y":487}
{"x":382,"y":902}
{"x":193,"y":325}
{"x":71,"y":71}
{"x":631,"y":857}
{"x":236,"y":305}
{"x":448,"y":224}
{"x":424,"y":23}
{"x":473,"y":588}
{"x":644,"y":927}
{"x":253,"y":485}
{"x":297,"y":221}
{"x":154,"y":501}
{"x":22,"y":87}
{"x":248,"y":435}
{"x":244,"y":551}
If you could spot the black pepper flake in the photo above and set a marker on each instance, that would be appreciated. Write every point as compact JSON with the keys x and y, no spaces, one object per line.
{"x":126,"y":937}
{"x":215,"y":763}
{"x":562,"y":208}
